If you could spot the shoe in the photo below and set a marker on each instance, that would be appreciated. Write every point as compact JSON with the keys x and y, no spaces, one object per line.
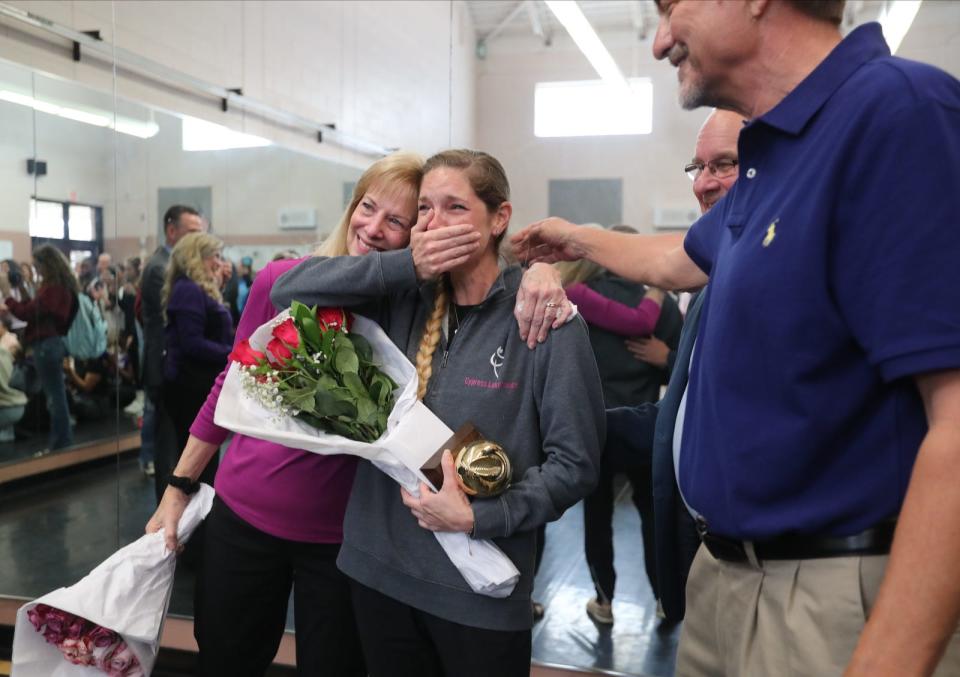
{"x":600,"y":612}
{"x":538,"y":611}
{"x":148,"y":469}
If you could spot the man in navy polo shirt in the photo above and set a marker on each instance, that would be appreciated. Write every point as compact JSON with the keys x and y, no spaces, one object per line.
{"x":824,"y":400}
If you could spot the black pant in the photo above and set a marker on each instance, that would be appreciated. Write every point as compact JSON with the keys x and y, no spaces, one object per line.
{"x":165,"y":453}
{"x":183,"y":401}
{"x":598,"y":518}
{"x":241,"y":602}
{"x":400,"y":641}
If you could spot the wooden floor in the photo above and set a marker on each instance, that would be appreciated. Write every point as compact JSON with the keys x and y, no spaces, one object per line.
{"x":53,"y":531}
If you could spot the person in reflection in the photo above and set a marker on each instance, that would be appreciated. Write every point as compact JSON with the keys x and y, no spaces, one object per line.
{"x":615,"y":308}
{"x":157,"y":431}
{"x":821,"y":447}
{"x":199,"y":332}
{"x":12,"y":401}
{"x":447,"y":303}
{"x":48,"y":317}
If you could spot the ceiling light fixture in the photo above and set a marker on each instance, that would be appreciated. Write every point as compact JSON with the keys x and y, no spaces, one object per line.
{"x":896,"y":18}
{"x":569,"y":14}
{"x":138,"y":128}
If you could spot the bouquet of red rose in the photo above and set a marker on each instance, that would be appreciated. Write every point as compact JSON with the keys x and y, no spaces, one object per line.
{"x":314,"y":369}
{"x":330,"y":383}
{"x":85,"y":643}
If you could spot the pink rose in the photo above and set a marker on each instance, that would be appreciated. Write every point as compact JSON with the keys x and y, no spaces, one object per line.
{"x":35,"y":616}
{"x":287,"y":332}
{"x":101,"y":636}
{"x":122,"y":661}
{"x":77,"y":651}
{"x":246,"y":355}
{"x":279,"y":350}
{"x":76,"y":627}
{"x":334,"y":318}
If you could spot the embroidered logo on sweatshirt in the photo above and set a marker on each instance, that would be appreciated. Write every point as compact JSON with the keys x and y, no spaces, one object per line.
{"x":496,"y":361}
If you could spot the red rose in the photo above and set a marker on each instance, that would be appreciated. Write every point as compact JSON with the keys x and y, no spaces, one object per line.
{"x":334,"y":318}
{"x":246,"y":355}
{"x":280,"y":351}
{"x":287,"y":332}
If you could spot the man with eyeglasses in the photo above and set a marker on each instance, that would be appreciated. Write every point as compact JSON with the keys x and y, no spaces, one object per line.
{"x":651,"y":429}
{"x":822,"y":422}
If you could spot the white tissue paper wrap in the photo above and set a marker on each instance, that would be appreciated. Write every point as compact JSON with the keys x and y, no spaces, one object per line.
{"x":413,"y":434}
{"x":128,"y":593}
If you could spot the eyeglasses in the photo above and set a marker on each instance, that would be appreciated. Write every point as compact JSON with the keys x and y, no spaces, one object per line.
{"x":720,"y":169}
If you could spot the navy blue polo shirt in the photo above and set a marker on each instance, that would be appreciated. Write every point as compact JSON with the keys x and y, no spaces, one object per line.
{"x":835,"y":277}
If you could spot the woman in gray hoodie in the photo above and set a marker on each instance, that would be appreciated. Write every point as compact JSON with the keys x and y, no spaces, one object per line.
{"x":448,"y":304}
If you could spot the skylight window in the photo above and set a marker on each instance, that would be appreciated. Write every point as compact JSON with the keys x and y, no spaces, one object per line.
{"x":593,"y":108}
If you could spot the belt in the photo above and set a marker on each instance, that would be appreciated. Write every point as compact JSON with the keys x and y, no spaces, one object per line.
{"x":873,"y":541}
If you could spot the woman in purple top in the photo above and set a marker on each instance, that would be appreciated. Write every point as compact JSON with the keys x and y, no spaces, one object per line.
{"x":278,"y":514}
{"x":198,"y":334}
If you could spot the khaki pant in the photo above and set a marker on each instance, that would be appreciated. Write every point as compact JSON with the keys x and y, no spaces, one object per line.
{"x":789,"y":618}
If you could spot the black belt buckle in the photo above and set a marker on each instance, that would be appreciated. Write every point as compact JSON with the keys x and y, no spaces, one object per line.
{"x":724,"y":548}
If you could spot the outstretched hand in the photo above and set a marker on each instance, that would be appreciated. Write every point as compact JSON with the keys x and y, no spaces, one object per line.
{"x":547,"y":241}
{"x":438,"y":250}
{"x":446,"y":510}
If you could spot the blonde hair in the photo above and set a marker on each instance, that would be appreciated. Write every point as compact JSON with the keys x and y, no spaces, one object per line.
{"x":572,"y":272}
{"x":489,"y":182}
{"x":398,"y":174}
{"x":186,"y":260}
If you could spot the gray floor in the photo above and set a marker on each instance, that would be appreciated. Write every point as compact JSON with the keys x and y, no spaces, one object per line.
{"x":54,"y":531}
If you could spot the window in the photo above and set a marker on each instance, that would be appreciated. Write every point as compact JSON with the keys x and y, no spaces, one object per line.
{"x":75,"y":229}
{"x":593,"y":108}
{"x":46,"y":219}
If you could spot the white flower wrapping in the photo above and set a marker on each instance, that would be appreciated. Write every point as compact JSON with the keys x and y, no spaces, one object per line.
{"x":413,"y":434}
{"x":128,"y":593}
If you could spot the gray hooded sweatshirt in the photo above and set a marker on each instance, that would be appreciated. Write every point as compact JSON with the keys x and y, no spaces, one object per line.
{"x":544,"y":406}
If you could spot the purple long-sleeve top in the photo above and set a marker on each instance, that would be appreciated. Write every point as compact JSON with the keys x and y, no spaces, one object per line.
{"x":288,"y":493}
{"x":613,"y":316}
{"x":198,"y":334}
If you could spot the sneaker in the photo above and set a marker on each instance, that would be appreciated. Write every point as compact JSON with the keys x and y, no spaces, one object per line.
{"x":148,"y":469}
{"x":600,"y":612}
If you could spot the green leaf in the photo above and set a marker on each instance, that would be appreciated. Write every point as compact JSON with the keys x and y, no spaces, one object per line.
{"x":326,"y":343}
{"x":328,"y":405}
{"x":362,"y":346}
{"x":346,"y":360}
{"x":298,"y":311}
{"x":354,"y":384}
{"x":311,"y":332}
{"x":367,"y":412}
{"x":299,"y":398}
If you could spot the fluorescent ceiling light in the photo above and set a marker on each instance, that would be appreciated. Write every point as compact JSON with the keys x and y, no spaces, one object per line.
{"x":569,"y":14}
{"x":592,"y":108}
{"x":896,"y":19}
{"x":202,"y":135}
{"x":139,"y":128}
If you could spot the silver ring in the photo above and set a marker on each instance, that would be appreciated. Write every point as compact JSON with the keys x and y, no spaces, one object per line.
{"x":552,"y":305}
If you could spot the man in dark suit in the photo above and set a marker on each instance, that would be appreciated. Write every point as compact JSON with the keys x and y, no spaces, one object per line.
{"x":649,"y":428}
{"x":177,"y":222}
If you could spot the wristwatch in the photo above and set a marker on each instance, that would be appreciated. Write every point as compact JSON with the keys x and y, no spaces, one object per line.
{"x":184,"y":484}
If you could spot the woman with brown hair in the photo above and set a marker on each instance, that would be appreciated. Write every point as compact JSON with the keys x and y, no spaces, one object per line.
{"x":447,"y":302}
{"x":48,"y":316}
{"x":198,"y":334}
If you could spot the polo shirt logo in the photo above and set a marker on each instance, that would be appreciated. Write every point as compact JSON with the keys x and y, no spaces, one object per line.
{"x":771,"y":233}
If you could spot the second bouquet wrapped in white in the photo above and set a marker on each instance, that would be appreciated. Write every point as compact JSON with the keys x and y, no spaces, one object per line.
{"x":331,"y":383}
